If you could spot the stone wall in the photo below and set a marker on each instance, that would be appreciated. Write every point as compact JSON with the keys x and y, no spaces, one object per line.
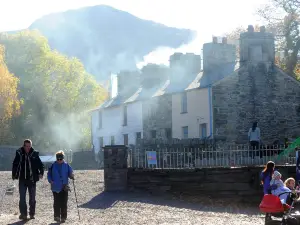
{"x":157,"y":115}
{"x":237,"y":184}
{"x":256,"y":93}
{"x":115,"y":168}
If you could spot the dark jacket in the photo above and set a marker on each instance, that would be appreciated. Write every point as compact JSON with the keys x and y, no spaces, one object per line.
{"x":27,"y":166}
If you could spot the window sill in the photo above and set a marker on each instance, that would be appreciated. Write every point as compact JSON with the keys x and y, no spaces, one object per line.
{"x":124,"y":125}
{"x":183,"y":112}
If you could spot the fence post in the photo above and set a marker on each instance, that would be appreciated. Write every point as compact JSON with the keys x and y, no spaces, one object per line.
{"x":115,"y":167}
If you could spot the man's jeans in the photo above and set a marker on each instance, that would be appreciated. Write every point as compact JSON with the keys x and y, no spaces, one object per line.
{"x":23,"y":186}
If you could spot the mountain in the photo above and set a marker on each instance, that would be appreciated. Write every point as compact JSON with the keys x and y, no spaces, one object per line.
{"x":106,"y":39}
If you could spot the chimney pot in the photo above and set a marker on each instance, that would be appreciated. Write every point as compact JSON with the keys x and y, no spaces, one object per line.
{"x":262,"y":29}
{"x":250,"y":28}
{"x":224,"y":40}
{"x":215,"y":40}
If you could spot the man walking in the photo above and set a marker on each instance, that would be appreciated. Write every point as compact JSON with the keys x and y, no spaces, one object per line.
{"x":28,"y":168}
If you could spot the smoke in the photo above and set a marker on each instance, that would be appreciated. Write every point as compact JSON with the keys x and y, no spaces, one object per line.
{"x":161,"y":54}
{"x":68,"y":130}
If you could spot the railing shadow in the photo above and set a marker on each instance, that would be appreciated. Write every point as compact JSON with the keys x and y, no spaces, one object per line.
{"x":111,"y":199}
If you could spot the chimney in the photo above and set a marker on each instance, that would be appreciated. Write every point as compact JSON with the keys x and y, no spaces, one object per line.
{"x":184,"y":65}
{"x":262,"y":29}
{"x":250,"y":28}
{"x":215,"y":40}
{"x":218,"y":54}
{"x":153,"y":75}
{"x":128,"y":82}
{"x":257,"y":46}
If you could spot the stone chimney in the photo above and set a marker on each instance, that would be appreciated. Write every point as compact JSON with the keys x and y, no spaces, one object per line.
{"x":257,"y":47}
{"x":128,"y":82}
{"x":218,"y":54}
{"x":184,"y":65}
{"x":153,"y":75}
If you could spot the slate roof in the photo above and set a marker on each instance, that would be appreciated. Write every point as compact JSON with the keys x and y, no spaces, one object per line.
{"x":201,"y":80}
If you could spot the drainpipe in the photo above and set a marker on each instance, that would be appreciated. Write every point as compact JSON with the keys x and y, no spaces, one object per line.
{"x":92,"y":137}
{"x":210,"y":111}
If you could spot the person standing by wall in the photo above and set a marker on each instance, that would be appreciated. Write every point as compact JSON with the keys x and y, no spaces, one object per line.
{"x":58,"y":175}
{"x":254,"y":137}
{"x":28,"y":168}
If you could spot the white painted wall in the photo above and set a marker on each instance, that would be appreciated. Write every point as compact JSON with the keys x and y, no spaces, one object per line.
{"x":197,"y":113}
{"x":112,"y":125}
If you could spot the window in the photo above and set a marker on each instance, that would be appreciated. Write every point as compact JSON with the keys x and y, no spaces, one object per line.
{"x":125,"y":115}
{"x":101,"y":142}
{"x":138,"y":135}
{"x":203,"y":130}
{"x":185,"y":132}
{"x":100,"y":119}
{"x":125,"y":139}
{"x":184,"y":102}
{"x":112,"y":140}
{"x":153,"y":134}
{"x":168,"y":133}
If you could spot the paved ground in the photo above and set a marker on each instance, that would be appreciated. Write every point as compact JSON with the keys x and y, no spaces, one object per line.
{"x":97,"y":207}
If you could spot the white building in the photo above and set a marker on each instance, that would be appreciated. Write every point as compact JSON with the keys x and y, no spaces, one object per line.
{"x":116,"y":122}
{"x":183,"y":100}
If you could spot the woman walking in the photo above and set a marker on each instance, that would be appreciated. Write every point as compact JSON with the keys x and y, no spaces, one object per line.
{"x":58,"y":175}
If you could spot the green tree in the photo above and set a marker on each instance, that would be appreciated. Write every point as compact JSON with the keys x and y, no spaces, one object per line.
{"x":56,"y":89}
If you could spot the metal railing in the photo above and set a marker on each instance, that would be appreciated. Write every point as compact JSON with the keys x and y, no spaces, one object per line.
{"x":193,"y":157}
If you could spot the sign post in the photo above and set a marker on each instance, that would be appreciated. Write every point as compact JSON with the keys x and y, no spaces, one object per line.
{"x":151,"y":158}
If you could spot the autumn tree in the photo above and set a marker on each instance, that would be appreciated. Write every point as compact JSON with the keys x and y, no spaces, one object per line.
{"x":9,"y":99}
{"x":282,"y":17}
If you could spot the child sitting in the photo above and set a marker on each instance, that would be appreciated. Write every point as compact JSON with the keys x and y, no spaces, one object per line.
{"x":290,"y":183}
{"x":281,"y":191}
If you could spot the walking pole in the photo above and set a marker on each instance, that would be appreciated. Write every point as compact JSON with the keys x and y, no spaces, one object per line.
{"x":76,"y":199}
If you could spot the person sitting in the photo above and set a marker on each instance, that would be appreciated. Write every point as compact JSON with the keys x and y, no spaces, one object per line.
{"x":290,"y":183}
{"x":281,"y":191}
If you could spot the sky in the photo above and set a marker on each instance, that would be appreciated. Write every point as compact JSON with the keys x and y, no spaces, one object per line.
{"x":207,"y":17}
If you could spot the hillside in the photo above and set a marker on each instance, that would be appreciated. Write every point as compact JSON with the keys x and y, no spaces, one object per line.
{"x":106,"y":39}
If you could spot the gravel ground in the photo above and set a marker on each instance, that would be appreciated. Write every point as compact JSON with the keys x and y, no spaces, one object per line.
{"x":97,"y":207}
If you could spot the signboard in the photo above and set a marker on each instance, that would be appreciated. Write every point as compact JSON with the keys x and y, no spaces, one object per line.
{"x":151,"y":158}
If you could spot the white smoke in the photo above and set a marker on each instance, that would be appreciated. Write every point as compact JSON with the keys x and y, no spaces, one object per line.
{"x":161,"y":54}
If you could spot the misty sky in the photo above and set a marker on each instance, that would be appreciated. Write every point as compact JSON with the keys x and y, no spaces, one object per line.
{"x":207,"y":17}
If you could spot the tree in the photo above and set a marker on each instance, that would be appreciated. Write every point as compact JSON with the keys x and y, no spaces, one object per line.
{"x":56,"y":90}
{"x":282,"y":17}
{"x":9,"y":99}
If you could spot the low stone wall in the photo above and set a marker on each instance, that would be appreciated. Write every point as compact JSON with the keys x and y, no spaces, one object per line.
{"x":238,"y":184}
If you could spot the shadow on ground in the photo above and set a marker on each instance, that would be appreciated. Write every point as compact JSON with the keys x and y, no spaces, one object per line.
{"x":108,"y":199}
{"x":19,"y":222}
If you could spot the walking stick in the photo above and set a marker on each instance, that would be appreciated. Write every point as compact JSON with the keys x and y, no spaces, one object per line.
{"x":76,"y":199}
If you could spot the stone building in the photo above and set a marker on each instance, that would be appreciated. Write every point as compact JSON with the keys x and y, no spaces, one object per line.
{"x":191,"y":90}
{"x":257,"y":91}
{"x":221,"y":101}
